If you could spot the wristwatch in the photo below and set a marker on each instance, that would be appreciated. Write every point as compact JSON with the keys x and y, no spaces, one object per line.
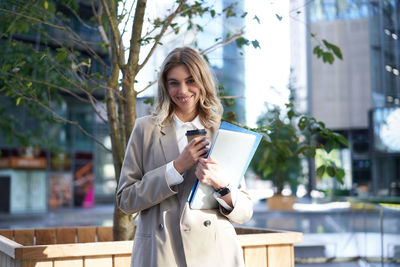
{"x":223,"y":191}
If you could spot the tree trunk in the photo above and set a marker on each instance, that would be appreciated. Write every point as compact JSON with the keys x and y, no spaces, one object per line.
{"x":123,"y":228}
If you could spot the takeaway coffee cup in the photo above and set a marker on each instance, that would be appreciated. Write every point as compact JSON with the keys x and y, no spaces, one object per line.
{"x":194,"y":133}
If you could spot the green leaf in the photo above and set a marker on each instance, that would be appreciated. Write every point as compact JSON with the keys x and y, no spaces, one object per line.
{"x":328,"y":57}
{"x":18,"y":101}
{"x":318,"y":51}
{"x":340,"y":175}
{"x":336,"y":50}
{"x":255,"y":44}
{"x":331,"y":171}
{"x":312,"y":151}
{"x":6,"y":67}
{"x":302,"y":149}
{"x":257,"y":19}
{"x":341,"y":139}
{"x":212,"y":12}
{"x":241,"y":41}
{"x":321,"y":171}
{"x":61,"y":55}
{"x":149,"y":101}
{"x":29,"y":84}
{"x":330,"y":144}
{"x":278,"y":17}
{"x":291,"y":114}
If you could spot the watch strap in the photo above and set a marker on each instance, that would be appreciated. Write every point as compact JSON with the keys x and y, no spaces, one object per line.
{"x":223,"y":191}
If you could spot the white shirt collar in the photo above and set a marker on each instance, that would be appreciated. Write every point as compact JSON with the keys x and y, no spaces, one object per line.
{"x":195,"y":123}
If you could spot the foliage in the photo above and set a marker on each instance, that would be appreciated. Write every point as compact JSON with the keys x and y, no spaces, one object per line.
{"x":60,"y":52}
{"x":292,"y":137}
{"x":327,"y":51}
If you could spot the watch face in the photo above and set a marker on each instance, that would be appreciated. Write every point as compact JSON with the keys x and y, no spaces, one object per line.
{"x":388,"y":129}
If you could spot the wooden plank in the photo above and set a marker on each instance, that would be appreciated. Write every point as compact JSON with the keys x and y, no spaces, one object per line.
{"x":74,"y":250}
{"x":69,"y":262}
{"x":99,"y":261}
{"x":255,"y":256}
{"x":66,"y":235}
{"x":270,"y":239}
{"x":7,"y":233}
{"x":7,"y":246}
{"x":46,"y":236}
{"x":33,"y":263}
{"x":122,"y":260}
{"x":104,"y":234}
{"x":280,"y":255}
{"x":24,"y":236}
{"x":86,"y":234}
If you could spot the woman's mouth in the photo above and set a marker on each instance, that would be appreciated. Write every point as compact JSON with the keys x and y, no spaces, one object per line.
{"x":184,"y":99}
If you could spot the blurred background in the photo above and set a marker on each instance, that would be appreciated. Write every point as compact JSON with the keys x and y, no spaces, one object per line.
{"x":336,"y":61}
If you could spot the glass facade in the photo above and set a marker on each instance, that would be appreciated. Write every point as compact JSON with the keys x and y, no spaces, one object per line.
{"x":385,"y":55}
{"x":373,"y":165}
{"x":323,"y":10}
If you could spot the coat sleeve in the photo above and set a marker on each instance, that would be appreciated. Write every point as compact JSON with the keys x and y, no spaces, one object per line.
{"x":138,"y":190}
{"x":243,"y":209}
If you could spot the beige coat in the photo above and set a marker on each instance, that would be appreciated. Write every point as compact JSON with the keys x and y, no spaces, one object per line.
{"x":169,"y":233}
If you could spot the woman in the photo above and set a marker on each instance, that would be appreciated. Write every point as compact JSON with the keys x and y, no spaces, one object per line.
{"x":160,"y":169}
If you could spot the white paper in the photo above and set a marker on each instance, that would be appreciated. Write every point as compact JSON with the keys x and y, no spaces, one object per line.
{"x":231,"y":150}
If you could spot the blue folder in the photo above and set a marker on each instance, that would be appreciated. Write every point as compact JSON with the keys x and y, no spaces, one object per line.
{"x":233,"y":147}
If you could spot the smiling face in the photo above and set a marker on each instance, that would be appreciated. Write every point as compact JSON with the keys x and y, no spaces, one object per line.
{"x":184,"y":92}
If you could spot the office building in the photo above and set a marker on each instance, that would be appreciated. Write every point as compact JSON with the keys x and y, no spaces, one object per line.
{"x":359,"y":95}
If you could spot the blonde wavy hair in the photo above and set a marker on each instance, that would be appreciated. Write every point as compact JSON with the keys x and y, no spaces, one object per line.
{"x":210,"y":108}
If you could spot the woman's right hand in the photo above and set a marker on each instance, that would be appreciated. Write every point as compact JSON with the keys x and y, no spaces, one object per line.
{"x":196,"y":149}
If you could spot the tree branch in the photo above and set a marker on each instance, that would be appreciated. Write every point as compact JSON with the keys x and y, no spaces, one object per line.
{"x":128,"y":16}
{"x":223,"y":42}
{"x":147,"y":87}
{"x":111,"y":17}
{"x":136,"y":35}
{"x":59,"y":118}
{"x":78,"y":17}
{"x":34,"y":19}
{"x":68,"y":91}
{"x":166,"y":24}
{"x":100,"y":26}
{"x":231,"y":97}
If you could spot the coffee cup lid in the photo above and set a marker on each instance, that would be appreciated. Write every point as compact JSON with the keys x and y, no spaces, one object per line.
{"x":196,"y":132}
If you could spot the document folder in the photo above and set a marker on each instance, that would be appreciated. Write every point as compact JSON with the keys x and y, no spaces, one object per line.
{"x":233,"y":148}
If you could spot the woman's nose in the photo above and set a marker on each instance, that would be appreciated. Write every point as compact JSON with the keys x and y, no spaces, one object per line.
{"x":183,"y":87}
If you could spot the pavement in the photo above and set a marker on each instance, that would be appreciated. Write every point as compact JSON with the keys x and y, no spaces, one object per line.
{"x":333,"y":235}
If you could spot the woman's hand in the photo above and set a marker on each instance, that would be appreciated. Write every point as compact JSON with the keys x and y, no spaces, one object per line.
{"x":208,"y":173}
{"x":196,"y":149}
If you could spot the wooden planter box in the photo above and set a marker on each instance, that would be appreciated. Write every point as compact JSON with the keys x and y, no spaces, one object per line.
{"x":279,"y":202}
{"x":93,"y":246}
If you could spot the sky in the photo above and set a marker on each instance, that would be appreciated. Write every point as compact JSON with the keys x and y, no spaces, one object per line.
{"x":268,"y":68}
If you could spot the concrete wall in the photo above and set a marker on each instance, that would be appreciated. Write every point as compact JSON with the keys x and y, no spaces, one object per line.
{"x":341,"y":92}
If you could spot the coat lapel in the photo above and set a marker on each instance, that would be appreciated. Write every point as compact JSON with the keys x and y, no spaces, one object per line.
{"x":168,"y":142}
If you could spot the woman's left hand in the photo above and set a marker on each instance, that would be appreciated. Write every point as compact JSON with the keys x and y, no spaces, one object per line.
{"x":208,"y":173}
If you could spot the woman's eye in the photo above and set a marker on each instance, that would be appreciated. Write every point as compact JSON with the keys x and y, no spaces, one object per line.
{"x":173,"y":83}
{"x":190,"y":81}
